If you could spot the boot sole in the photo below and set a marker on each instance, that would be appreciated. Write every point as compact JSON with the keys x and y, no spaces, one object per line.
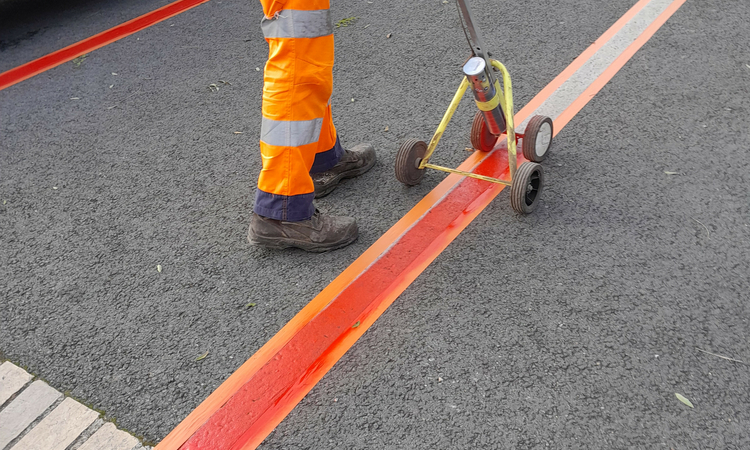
{"x":343,"y":176}
{"x":290,"y":243}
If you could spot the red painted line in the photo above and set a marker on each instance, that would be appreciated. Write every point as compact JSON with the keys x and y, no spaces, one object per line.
{"x":310,"y":353}
{"x":54,"y":59}
{"x":256,"y":398}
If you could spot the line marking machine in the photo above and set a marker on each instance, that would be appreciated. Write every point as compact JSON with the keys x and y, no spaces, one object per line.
{"x":494,"y":118}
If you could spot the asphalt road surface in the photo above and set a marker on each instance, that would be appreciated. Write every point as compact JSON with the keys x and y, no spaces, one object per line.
{"x":573,"y":327}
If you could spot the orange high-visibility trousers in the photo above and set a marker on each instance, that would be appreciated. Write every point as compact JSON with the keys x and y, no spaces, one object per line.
{"x":297,"y":134}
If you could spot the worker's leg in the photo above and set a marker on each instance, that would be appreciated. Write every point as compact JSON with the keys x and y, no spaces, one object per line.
{"x":333,"y":163}
{"x":329,"y":150}
{"x":296,"y":123}
{"x":297,"y":133}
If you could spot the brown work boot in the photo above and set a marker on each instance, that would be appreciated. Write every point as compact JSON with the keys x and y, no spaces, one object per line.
{"x":353,"y":163}
{"x":320,"y":233}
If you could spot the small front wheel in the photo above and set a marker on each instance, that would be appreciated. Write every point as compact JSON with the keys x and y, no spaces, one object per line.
{"x":409,"y":155}
{"x":526,"y":187}
{"x":537,"y":138}
{"x":481,"y":138}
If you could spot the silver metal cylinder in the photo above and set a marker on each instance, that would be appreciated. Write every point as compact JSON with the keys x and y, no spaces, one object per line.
{"x":483,"y":88}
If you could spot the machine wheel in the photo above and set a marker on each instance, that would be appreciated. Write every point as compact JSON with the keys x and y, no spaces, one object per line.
{"x":537,"y":138}
{"x":481,"y":138}
{"x":526,"y":187}
{"x":409,"y":155}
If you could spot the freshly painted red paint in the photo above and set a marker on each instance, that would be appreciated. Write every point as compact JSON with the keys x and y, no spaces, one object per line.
{"x":252,"y":402}
{"x":297,"y":367}
{"x":271,"y":392}
{"x":28,"y":70}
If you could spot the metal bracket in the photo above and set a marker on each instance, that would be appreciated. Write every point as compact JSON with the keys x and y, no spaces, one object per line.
{"x":473,"y":35}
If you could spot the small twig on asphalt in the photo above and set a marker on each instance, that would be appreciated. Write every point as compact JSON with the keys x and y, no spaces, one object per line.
{"x":719,"y":356}
{"x":707,"y":230}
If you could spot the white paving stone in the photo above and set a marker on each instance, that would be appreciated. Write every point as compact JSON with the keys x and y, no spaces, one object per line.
{"x":24,"y":409}
{"x":60,"y":428}
{"x":12,"y":378}
{"x":108,"y":437}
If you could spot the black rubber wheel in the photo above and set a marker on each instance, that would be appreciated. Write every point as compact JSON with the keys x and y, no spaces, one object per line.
{"x":481,"y":138}
{"x":409,"y":155}
{"x":537,"y":138}
{"x":526,"y":187}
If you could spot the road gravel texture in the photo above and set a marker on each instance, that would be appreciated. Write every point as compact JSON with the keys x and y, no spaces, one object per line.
{"x":573,"y":327}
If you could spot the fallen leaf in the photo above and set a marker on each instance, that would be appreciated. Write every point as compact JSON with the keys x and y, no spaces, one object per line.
{"x":202,"y":357}
{"x":5,"y":201}
{"x":54,"y":188}
{"x":683,"y":400}
{"x":671,"y":173}
{"x":257,"y":69}
{"x":388,"y":36}
{"x":158,"y":268}
{"x":346,"y":22}
{"x":250,"y":305}
{"x":356,"y":324}
{"x":386,"y":129}
{"x":78,"y":61}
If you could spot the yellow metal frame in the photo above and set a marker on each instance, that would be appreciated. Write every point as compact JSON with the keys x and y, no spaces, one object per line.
{"x":506,"y":97}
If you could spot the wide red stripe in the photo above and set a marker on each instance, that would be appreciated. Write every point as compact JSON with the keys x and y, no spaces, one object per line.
{"x":88,"y":45}
{"x":221,"y":395}
{"x":295,"y":366}
{"x":262,"y":406}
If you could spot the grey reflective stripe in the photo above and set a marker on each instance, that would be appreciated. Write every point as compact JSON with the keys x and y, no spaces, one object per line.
{"x":290,"y":133}
{"x":293,"y":23}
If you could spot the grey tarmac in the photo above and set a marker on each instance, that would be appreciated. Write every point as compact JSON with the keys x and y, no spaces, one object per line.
{"x":573,"y":327}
